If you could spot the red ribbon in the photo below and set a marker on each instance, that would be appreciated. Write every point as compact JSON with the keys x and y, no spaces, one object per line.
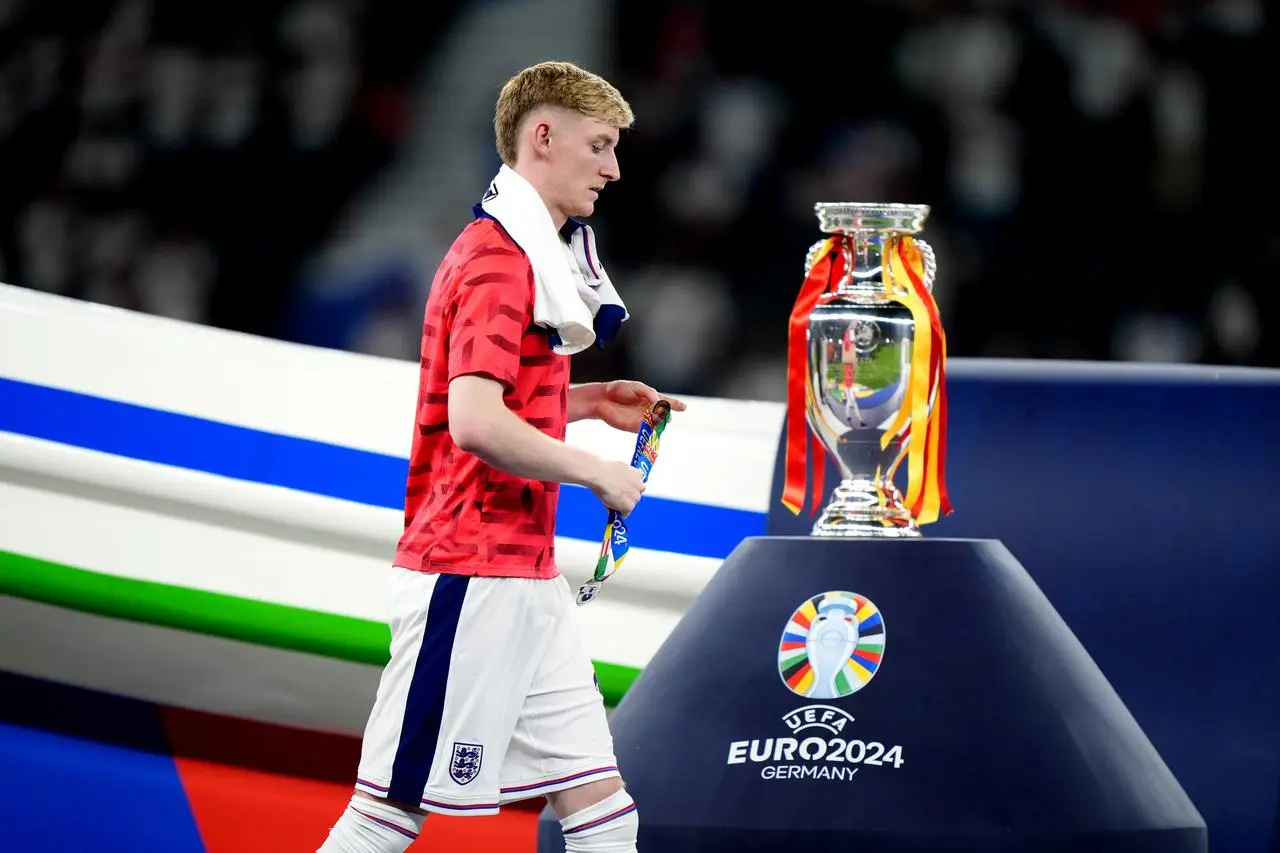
{"x":827,"y":269}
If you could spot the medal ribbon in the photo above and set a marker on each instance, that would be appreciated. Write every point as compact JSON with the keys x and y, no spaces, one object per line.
{"x":616,"y":542}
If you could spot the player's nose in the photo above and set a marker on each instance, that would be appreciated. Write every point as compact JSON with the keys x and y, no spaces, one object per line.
{"x":611,"y":171}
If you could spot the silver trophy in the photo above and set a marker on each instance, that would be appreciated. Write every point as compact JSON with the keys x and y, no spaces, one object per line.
{"x":859,"y":369}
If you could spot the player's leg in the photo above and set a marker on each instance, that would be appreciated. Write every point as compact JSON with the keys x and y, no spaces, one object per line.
{"x":562,"y":748}
{"x":372,"y":825}
{"x":444,"y":710}
{"x":383,"y":824}
{"x":598,"y":817}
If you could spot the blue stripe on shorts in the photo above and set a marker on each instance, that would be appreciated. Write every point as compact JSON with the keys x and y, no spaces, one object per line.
{"x":424,"y":706}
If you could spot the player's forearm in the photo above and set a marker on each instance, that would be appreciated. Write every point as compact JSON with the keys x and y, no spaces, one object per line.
{"x":584,"y":399}
{"x":508,"y":443}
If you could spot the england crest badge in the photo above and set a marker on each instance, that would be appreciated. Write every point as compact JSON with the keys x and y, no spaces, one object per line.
{"x":465,"y":764}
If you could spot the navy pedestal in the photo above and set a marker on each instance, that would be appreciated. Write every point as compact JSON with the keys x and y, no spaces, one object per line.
{"x":886,"y":696}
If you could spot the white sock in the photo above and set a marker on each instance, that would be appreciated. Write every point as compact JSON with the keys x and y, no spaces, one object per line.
{"x":609,"y":826}
{"x":372,"y":826}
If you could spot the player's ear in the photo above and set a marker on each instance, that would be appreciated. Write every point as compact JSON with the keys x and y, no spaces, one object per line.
{"x":540,"y":133}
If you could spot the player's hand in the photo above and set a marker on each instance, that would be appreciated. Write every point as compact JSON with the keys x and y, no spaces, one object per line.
{"x":623,"y":403}
{"x":618,"y":486}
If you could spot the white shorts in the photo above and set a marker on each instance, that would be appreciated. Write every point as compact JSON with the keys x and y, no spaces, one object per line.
{"x":489,"y":696}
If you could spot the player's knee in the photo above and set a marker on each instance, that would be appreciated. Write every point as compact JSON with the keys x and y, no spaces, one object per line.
{"x":609,"y":825}
{"x":574,"y":799}
{"x":373,"y":825}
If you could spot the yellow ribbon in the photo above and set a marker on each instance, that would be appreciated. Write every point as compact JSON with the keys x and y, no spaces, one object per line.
{"x":921,"y":419}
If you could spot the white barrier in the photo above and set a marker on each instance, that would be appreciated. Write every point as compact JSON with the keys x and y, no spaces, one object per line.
{"x":66,"y":501}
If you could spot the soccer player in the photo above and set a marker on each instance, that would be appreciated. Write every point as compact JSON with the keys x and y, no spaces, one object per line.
{"x":490,"y":695}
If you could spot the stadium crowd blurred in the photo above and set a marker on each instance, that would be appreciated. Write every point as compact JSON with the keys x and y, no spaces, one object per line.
{"x":1101,"y":172}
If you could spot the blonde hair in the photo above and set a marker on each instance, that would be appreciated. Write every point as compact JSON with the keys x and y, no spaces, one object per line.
{"x":560,"y":84}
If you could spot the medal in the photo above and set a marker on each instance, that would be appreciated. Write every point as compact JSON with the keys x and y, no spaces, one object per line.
{"x":616,"y":542}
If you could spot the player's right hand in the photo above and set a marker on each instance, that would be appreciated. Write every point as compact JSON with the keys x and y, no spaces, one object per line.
{"x":618,"y":486}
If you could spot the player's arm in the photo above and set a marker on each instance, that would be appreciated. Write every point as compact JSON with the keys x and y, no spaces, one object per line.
{"x":490,"y":310}
{"x":621,"y":403}
{"x":584,"y":401}
{"x":481,"y":424}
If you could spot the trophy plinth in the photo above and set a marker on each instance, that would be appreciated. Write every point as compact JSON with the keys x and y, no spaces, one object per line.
{"x":852,"y":716}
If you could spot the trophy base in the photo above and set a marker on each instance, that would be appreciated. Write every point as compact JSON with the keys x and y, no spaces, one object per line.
{"x":864,"y":509}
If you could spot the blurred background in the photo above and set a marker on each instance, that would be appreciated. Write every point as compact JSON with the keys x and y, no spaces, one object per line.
{"x":1102,"y":173}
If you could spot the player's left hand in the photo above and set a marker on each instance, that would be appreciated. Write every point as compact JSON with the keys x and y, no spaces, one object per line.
{"x":623,"y":403}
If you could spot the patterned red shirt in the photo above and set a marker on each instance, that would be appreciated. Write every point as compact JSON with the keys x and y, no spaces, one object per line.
{"x":463,"y":516}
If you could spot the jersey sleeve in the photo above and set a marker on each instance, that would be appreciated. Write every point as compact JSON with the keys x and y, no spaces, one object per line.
{"x":493,"y":305}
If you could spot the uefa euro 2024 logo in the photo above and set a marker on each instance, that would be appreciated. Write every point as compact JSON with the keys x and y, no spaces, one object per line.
{"x":832,"y":646}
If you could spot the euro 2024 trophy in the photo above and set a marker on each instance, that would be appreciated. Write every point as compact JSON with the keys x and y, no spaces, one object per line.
{"x":867,"y":374}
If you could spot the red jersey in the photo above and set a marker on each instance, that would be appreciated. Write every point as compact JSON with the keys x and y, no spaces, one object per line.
{"x":463,"y":516}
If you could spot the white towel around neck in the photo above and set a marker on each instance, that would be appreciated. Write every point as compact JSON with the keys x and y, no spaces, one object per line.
{"x":573,"y":296}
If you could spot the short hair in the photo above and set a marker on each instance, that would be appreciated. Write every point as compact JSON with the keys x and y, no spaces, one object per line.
{"x":560,"y":84}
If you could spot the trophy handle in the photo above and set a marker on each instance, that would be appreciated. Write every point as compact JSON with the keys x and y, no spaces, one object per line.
{"x":811,"y":256}
{"x":930,"y":263}
{"x":926,"y":253}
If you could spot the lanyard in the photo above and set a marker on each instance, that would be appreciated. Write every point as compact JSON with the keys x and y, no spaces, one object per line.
{"x":615,"y":542}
